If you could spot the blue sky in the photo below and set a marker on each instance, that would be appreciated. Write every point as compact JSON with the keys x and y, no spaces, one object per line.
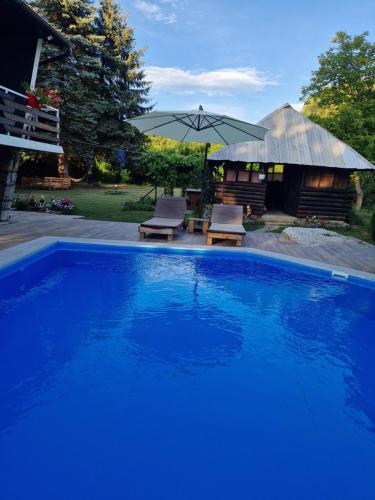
{"x":241,"y":58}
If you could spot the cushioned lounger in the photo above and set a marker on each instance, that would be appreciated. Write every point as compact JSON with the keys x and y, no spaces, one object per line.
{"x":169,"y":218}
{"x":226,"y":224}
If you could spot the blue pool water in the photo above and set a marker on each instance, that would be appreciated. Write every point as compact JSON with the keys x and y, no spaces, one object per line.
{"x":147,"y":374}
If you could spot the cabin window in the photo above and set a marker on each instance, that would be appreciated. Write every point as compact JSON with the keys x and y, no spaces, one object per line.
{"x":255,"y":178}
{"x":326,"y":180}
{"x":341,"y":181}
{"x":243,"y":176}
{"x":231,"y":175}
{"x":275,"y":173}
{"x":251,"y":173}
{"x":312,"y":181}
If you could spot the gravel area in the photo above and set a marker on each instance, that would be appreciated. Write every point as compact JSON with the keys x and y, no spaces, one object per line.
{"x":312,"y":236}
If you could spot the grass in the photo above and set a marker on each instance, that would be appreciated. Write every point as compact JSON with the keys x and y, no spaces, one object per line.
{"x":253,"y":226}
{"x":100,"y":203}
{"x":360,"y":228}
{"x":104,"y":203}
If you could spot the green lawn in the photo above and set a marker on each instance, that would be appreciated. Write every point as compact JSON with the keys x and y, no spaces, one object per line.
{"x":99,"y":203}
{"x":360,"y":229}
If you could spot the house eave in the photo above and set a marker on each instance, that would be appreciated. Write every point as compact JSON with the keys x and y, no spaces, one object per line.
{"x":19,"y":143}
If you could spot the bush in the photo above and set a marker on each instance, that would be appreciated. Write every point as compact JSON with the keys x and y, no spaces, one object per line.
{"x":372,"y":226}
{"x":124,"y":175}
{"x":21,"y":203}
{"x":354,"y":217}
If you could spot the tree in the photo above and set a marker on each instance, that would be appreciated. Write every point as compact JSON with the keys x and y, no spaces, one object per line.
{"x":341,"y":94}
{"x":100,"y":84}
{"x":123,"y":85}
{"x":76,"y":78}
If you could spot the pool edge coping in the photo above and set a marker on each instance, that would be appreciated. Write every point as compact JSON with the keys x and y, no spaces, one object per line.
{"x":12,"y":255}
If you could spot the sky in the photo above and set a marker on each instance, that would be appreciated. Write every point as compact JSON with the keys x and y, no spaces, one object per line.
{"x":240,"y":58}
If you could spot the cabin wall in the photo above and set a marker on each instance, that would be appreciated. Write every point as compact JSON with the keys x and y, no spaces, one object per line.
{"x":332,"y":202}
{"x":248,"y":193}
{"x":240,"y":193}
{"x":306,"y":191}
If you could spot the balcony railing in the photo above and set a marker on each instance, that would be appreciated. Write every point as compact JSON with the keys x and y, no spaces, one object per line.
{"x":25,"y":127}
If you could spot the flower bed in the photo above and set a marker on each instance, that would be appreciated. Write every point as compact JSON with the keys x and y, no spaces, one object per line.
{"x":64,"y":205}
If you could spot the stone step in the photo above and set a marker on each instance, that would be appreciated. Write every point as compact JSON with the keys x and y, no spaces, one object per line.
{"x":278,"y":218}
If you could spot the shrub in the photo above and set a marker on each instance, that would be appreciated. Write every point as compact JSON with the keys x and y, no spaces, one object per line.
{"x":21,"y":203}
{"x":124,"y":175}
{"x":354,"y":217}
{"x":372,"y":226}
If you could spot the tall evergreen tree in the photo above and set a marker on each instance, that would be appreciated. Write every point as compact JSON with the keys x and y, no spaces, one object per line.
{"x":123,"y":84}
{"x":77,"y":77}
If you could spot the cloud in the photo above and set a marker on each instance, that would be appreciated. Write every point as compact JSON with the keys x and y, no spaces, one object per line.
{"x":155,"y":12}
{"x":225,"y":81}
{"x":221,"y":108}
{"x":298,"y":106}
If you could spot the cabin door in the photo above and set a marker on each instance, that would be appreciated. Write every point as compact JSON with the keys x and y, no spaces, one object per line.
{"x":292,"y":183}
{"x":274,"y":196}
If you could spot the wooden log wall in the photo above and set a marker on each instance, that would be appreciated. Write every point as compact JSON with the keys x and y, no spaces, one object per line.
{"x":326,"y":204}
{"x":242,"y":193}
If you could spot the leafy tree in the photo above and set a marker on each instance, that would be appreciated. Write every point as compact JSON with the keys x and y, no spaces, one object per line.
{"x":172,"y":169}
{"x":341,"y":95}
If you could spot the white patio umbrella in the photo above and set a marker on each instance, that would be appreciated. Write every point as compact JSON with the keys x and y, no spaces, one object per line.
{"x":198,"y":126}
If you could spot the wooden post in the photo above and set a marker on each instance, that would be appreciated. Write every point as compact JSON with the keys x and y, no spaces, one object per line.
{"x":359,"y":192}
{"x":9,"y":161}
{"x":206,"y":195}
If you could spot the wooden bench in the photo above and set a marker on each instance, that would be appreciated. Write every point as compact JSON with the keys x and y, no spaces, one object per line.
{"x":57,"y":183}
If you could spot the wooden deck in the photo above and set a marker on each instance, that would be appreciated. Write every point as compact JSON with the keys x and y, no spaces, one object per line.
{"x":27,"y":226}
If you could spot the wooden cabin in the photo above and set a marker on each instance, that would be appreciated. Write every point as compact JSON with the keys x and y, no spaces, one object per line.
{"x":23,"y":127}
{"x":300,"y":169}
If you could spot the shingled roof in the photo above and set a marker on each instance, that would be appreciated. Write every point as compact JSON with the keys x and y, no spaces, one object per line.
{"x":294,"y":139}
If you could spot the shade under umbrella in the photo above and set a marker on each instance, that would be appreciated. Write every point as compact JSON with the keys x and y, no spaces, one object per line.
{"x":198,"y":126}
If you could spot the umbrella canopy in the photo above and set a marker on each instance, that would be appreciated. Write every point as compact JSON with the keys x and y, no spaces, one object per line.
{"x":198,"y":126}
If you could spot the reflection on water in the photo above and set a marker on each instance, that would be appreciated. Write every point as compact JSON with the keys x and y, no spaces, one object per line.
{"x":121,"y":366}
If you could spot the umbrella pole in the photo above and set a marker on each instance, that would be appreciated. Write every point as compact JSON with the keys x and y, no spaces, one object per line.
{"x":205,"y":180}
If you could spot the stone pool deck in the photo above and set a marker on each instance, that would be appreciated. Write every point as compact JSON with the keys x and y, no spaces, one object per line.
{"x":26,"y":226}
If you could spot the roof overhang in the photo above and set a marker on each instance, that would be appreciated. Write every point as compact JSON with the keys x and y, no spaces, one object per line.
{"x":42,"y":27}
{"x":19,"y":143}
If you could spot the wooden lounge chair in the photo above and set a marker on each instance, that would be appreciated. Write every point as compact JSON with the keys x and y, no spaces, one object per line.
{"x":168,"y":219}
{"x":226,"y":224}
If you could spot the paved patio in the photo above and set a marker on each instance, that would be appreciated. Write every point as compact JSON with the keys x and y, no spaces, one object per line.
{"x":26,"y":226}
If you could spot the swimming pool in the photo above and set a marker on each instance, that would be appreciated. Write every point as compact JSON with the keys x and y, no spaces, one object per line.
{"x":146,"y":373}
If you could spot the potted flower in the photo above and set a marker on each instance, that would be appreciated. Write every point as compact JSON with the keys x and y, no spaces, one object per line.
{"x":36,"y":97}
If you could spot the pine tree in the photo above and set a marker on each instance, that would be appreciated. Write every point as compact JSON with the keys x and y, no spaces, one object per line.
{"x":77,"y":77}
{"x":123,"y":85}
